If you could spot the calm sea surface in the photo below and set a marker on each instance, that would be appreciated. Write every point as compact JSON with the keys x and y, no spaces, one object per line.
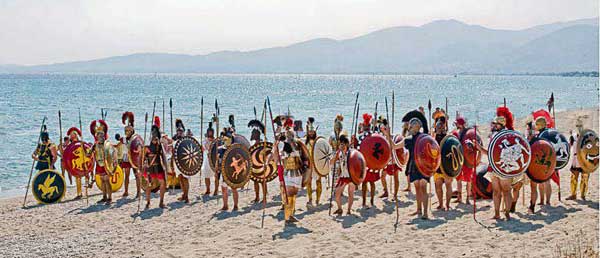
{"x":26,"y":99}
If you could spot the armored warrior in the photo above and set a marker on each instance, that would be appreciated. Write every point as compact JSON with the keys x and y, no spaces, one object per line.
{"x":545,"y":188}
{"x":502,"y":187}
{"x":99,"y":129}
{"x":258,"y":128}
{"x":365,"y":129}
{"x":576,"y":168}
{"x":288,"y":152}
{"x":392,"y":169}
{"x":128,"y":120}
{"x":341,"y":156}
{"x":45,"y":153}
{"x":184,"y":180}
{"x":439,"y":178}
{"x":467,"y":174}
{"x":226,"y":140}
{"x":74,"y":135}
{"x":311,"y":138}
{"x":155,"y":160}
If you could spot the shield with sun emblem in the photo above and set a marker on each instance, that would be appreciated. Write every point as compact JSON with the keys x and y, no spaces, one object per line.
{"x":236,"y":166}
{"x":259,"y":153}
{"x":188,"y":155}
{"x":48,"y":186}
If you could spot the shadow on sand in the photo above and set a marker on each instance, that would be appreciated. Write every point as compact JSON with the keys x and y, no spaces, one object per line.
{"x":291,"y":230}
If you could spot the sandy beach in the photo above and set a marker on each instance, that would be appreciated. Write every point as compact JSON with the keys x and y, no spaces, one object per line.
{"x":199,"y":229}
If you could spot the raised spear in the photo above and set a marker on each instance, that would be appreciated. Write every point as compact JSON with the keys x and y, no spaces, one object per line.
{"x":33,"y":163}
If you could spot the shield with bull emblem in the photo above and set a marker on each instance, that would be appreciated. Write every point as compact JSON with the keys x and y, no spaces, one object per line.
{"x":188,"y":155}
{"x":451,"y":155}
{"x":509,"y":154}
{"x":236,"y":165}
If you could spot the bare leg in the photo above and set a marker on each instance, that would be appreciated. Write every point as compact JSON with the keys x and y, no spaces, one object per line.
{"x":507,"y":195}
{"x":372,"y":186}
{"x":548,"y":191}
{"x":225,"y":194}
{"x":439,"y":192}
{"x":338,"y":199}
{"x":126,"y":182}
{"x":163,"y":188}
{"x":469,"y":193}
{"x":497,"y":196}
{"x":235,"y":199}
{"x":448,"y":184}
{"x":459,"y":190}
{"x":534,"y":193}
{"x":425,"y":198}
{"x":216,"y":185}
{"x":364,"y":194}
{"x":407,"y":189}
{"x":418,"y":199}
{"x":207,"y":184}
{"x":256,"y":192}
{"x":351,"y":188}
{"x":396,"y":186}
{"x":542,"y":191}
{"x":384,"y":185}
{"x":138,"y":184}
{"x":319,"y":190}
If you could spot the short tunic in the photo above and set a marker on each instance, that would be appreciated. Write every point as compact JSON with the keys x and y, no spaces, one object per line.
{"x":206,"y":170}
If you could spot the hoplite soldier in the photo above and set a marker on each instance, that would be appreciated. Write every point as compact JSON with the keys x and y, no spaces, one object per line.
{"x":538,"y":180}
{"x":466,"y":136}
{"x":207,"y":171}
{"x":99,"y":129}
{"x":155,"y":160}
{"x":585,"y":159}
{"x":509,"y":155}
{"x":184,"y":180}
{"x":226,"y":141}
{"x":311,"y":142}
{"x":344,"y":178}
{"x":258,"y":129}
{"x":377,"y":153}
{"x":440,"y":179}
{"x":45,"y":153}
{"x":288,"y":152}
{"x":130,"y":150}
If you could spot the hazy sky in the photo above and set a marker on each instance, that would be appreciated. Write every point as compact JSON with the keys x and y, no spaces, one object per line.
{"x":49,"y":31}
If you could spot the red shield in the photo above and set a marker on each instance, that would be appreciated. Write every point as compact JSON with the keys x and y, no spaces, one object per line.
{"x":74,"y":159}
{"x":427,"y":155}
{"x":543,"y":161}
{"x":135,"y":151}
{"x":376,"y":151}
{"x":401,"y":156}
{"x":472,"y":156}
{"x":357,"y":166}
{"x":509,"y":154}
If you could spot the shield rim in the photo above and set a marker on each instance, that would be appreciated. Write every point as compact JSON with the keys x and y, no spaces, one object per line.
{"x":580,"y":158}
{"x":491,"y":154}
{"x":395,"y":154}
{"x":273,"y":174}
{"x":548,"y":131}
{"x":34,"y":193}
{"x":211,"y":163}
{"x":312,"y":158}
{"x":248,"y":167}
{"x":448,"y":136}
{"x":110,"y":168}
{"x":176,"y":147}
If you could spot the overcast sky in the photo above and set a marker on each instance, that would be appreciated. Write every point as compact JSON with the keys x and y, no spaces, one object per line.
{"x":50,"y":31}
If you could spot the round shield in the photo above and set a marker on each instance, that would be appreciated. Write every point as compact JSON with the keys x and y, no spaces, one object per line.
{"x":587,"y":151}
{"x":236,"y":166}
{"x":116,"y":180}
{"x":75,"y":160}
{"x":241,"y":140}
{"x":357,"y":166}
{"x":212,"y":154}
{"x":543,"y":161}
{"x":451,"y":155}
{"x":483,"y":187}
{"x":470,"y":153}
{"x":48,"y":186}
{"x":321,"y":155}
{"x":509,"y":154}
{"x":188,"y":155}
{"x":111,"y":159}
{"x":258,"y":155}
{"x":401,"y":155}
{"x":305,"y":157}
{"x":427,"y":155}
{"x":560,"y":144}
{"x":376,"y":151}
{"x":134,"y":151}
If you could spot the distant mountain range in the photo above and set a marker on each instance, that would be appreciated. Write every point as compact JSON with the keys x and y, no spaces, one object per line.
{"x":439,"y":47}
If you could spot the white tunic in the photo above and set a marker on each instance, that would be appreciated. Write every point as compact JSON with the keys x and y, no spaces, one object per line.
{"x":206,"y":170}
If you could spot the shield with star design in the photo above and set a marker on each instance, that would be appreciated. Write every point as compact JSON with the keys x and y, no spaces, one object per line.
{"x":188,"y":155}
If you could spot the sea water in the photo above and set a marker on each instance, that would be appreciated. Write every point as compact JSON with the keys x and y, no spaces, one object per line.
{"x":26,"y":99}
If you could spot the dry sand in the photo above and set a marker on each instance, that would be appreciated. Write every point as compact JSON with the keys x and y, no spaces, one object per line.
{"x":75,"y":229}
